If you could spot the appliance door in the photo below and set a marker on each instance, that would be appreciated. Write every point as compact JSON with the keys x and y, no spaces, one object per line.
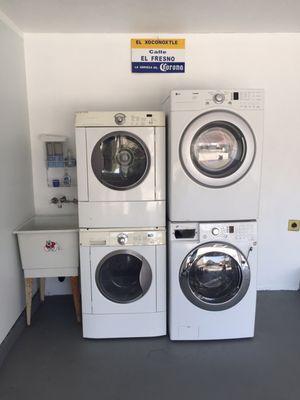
{"x":214,"y":276}
{"x":120,"y":163}
{"x":123,"y":280}
{"x":217,"y":148}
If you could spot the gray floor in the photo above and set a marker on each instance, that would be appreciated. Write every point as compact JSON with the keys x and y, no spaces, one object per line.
{"x":52,"y":361}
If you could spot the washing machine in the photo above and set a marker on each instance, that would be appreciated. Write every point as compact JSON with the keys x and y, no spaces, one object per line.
{"x":123,"y":282}
{"x":215,"y":142}
{"x":121,"y":169}
{"x":212,"y":287}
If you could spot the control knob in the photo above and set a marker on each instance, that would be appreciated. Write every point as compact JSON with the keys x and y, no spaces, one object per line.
{"x":215,"y":231}
{"x":122,"y":238}
{"x":120,"y":118}
{"x":219,"y":98}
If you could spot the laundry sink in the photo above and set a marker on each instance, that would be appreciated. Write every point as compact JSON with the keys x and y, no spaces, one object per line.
{"x":48,"y":243}
{"x":40,"y":223}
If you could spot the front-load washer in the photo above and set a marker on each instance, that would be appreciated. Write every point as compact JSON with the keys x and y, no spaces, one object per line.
{"x":121,"y":169}
{"x":123,"y":282}
{"x":212,"y":273}
{"x":215,"y":140}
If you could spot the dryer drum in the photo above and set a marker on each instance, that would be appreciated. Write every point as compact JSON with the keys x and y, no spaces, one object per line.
{"x":218,"y":149}
{"x":120,"y":160}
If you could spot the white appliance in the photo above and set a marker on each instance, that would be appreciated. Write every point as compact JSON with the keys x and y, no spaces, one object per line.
{"x":215,"y":141}
{"x":121,"y":169}
{"x":212,"y":272}
{"x":123,"y":282}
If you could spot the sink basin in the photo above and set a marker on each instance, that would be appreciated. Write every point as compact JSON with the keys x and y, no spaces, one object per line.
{"x":49,"y":246}
{"x":40,"y":223}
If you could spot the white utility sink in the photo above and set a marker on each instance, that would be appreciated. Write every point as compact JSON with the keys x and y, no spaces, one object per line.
{"x":48,"y":243}
{"x":40,"y":223}
{"x":49,"y":248}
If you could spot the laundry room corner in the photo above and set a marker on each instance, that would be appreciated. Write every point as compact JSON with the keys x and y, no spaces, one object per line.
{"x":16,"y":195}
{"x":149,"y":201}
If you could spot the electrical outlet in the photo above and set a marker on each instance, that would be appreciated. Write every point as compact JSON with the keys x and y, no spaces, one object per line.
{"x":294,"y":225}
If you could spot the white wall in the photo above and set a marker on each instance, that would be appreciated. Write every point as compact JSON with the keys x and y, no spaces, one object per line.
{"x":16,"y":191}
{"x":68,"y":73}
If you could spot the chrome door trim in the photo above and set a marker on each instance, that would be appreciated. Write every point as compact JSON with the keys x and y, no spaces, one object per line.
{"x":143,"y":145}
{"x":145,"y":277}
{"x":225,"y":248}
{"x":191,"y":130}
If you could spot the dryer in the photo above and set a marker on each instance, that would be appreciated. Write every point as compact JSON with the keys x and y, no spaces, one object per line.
{"x":212,"y":287}
{"x":123,"y":282}
{"x":215,"y":140}
{"x":121,"y":169}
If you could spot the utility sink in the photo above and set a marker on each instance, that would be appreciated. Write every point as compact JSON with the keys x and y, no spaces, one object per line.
{"x":49,"y":245}
{"x":40,"y":223}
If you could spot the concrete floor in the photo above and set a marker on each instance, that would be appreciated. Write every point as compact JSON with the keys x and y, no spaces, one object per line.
{"x":52,"y":361}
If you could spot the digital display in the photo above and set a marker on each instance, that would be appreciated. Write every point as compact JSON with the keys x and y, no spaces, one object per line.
{"x":235,"y":95}
{"x":231,"y":229}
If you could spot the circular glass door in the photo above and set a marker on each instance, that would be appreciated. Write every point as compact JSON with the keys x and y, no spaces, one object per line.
{"x":217,"y":149}
{"x":214,"y":276}
{"x":123,"y":276}
{"x":120,"y":160}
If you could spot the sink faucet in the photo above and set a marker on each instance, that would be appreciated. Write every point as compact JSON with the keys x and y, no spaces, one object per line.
{"x":56,"y":201}
{"x":62,"y":200}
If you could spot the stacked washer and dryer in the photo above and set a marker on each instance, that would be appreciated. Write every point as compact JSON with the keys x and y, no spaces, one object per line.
{"x":215,"y":143}
{"x":121,"y":193}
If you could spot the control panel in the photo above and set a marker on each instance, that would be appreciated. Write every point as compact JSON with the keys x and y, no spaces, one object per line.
{"x":94,"y":237}
{"x":148,"y":119}
{"x":233,"y":231}
{"x":243,"y":99}
{"x":120,"y":118}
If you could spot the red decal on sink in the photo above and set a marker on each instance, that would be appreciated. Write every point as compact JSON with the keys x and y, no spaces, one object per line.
{"x":51,"y":246}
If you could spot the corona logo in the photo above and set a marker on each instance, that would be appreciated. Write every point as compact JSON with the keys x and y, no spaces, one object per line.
{"x":163,"y":67}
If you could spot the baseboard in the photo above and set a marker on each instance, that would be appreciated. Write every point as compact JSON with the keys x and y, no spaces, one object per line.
{"x":278,"y":288}
{"x":17,"y":329}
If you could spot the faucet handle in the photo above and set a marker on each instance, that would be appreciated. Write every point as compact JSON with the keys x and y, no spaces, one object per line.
{"x":54,"y":200}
